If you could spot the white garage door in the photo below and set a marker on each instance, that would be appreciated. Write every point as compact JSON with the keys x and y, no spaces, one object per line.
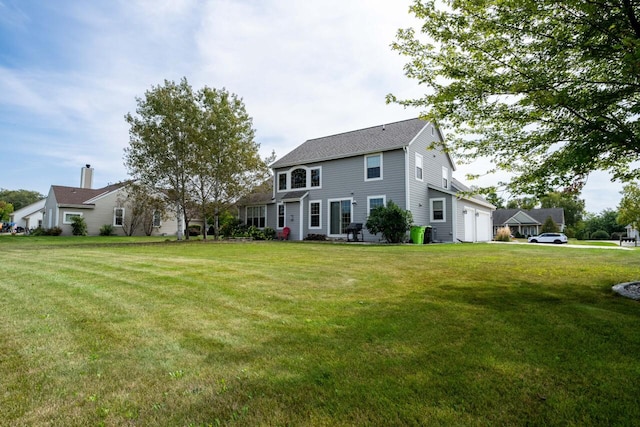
{"x":477,"y":225}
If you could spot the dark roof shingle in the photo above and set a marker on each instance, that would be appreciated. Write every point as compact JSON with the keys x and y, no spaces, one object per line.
{"x":378,"y":138}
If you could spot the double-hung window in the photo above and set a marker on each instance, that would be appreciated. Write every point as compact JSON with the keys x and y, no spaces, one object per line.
{"x":314,"y":214}
{"x":281,"y":215}
{"x":438,"y":210}
{"x":373,"y":167}
{"x":118,"y":217}
{"x":256,"y":216}
{"x":374,"y":202}
{"x":418,"y":167}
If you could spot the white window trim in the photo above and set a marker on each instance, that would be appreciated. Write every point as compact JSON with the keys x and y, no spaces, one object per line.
{"x":308,"y":186}
{"x":444,"y":209}
{"x":384,"y":202}
{"x":319,"y":227}
{"x":284,"y":214}
{"x":445,"y":175}
{"x":64,"y":216}
{"x":415,"y":168}
{"x":286,"y":181}
{"x":114,"y":217}
{"x":246,"y":214}
{"x":154,"y":219}
{"x":381,"y":167}
{"x":340,"y":199}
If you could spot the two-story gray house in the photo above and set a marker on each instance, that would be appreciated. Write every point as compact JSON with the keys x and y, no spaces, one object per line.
{"x":327,"y":183}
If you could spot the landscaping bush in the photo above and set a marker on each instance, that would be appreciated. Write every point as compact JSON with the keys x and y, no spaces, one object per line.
{"x":106,"y":230}
{"x":317,"y":237}
{"x":269,"y":233}
{"x":194,"y":230}
{"x":55,"y":231}
{"x":255,"y":233}
{"x":230,"y":227}
{"x":600,"y":235}
{"x":78,"y":226}
{"x":392,"y":221}
{"x":503,"y":234}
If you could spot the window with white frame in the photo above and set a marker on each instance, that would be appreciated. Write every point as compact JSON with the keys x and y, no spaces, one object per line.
{"x":315,"y":207}
{"x":281,"y":215}
{"x":445,"y":177}
{"x":438,"y":210}
{"x":373,"y":167}
{"x":118,"y":217}
{"x":375,"y":201}
{"x":67,"y":217}
{"x":419,"y":167}
{"x":282,"y":181}
{"x":256,"y":216}
{"x":300,"y":177}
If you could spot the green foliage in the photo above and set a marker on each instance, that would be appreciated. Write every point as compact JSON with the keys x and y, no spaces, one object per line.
{"x":19,"y":198}
{"x":391,"y":221}
{"x":629,"y":209}
{"x":106,"y":230}
{"x":526,"y":203}
{"x":606,"y":221}
{"x":269,"y":233}
{"x":574,"y":207}
{"x":600,"y":235}
{"x":546,"y":89}
{"x":6,"y":209}
{"x":550,"y":226}
{"x":78,"y":226}
{"x":316,"y":237}
{"x":503,"y":234}
{"x":55,"y":231}
{"x":197,"y":146}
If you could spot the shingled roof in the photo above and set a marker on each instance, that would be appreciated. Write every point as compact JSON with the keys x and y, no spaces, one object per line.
{"x":77,"y":196}
{"x":386,"y":137}
{"x":501,"y":216}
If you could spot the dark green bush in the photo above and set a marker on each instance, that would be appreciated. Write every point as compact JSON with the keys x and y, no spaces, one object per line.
{"x":318,"y":237}
{"x":78,"y":226}
{"x":391,"y":221}
{"x":269,"y":233}
{"x":600,"y":235}
{"x":106,"y":230}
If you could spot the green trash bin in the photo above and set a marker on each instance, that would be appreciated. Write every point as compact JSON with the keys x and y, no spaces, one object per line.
{"x":417,"y":234}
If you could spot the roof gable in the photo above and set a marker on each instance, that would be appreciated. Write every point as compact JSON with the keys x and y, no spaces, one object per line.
{"x":501,"y":216}
{"x":80,"y":196}
{"x":374,"y":139}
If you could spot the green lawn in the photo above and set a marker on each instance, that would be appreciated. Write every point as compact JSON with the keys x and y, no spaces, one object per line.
{"x":284,"y":333}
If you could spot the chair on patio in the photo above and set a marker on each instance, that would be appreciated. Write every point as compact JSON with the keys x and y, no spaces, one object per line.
{"x":284,"y":234}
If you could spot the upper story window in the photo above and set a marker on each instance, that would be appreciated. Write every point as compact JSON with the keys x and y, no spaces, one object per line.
{"x":373,"y":167}
{"x":300,"y":177}
{"x":282,"y":181}
{"x":418,"y":167}
{"x":445,"y":177}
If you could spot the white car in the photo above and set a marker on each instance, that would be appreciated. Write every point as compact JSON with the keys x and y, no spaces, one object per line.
{"x":549,"y":238}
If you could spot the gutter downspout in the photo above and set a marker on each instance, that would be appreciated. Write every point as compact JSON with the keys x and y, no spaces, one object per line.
{"x":406,"y":178}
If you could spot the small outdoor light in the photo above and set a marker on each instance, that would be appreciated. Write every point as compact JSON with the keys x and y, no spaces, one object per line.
{"x":354,"y":203}
{"x":464,"y":211}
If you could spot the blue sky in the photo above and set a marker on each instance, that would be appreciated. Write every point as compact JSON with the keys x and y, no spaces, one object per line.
{"x":70,"y":70}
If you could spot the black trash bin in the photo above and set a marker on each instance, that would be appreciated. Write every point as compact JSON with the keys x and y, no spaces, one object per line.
{"x":427,"y":234}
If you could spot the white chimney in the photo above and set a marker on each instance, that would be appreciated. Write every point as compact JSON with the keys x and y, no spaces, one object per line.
{"x":86,"y":177}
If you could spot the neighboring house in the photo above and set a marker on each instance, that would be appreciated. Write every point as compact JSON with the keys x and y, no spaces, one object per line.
{"x":632,"y":232}
{"x":527,"y":222}
{"x":98,"y":207}
{"x":28,"y":217}
{"x":327,"y":183}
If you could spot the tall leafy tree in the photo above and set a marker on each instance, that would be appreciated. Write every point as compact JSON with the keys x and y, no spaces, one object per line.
{"x":629,"y":209}
{"x":162,"y":137}
{"x":20,"y":198}
{"x":549,"y":90}
{"x":228,"y":164}
{"x":6,"y":209}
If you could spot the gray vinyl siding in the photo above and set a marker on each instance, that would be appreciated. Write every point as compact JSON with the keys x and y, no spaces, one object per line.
{"x":345,"y":179}
{"x":432,"y":163}
{"x":443,"y":231}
